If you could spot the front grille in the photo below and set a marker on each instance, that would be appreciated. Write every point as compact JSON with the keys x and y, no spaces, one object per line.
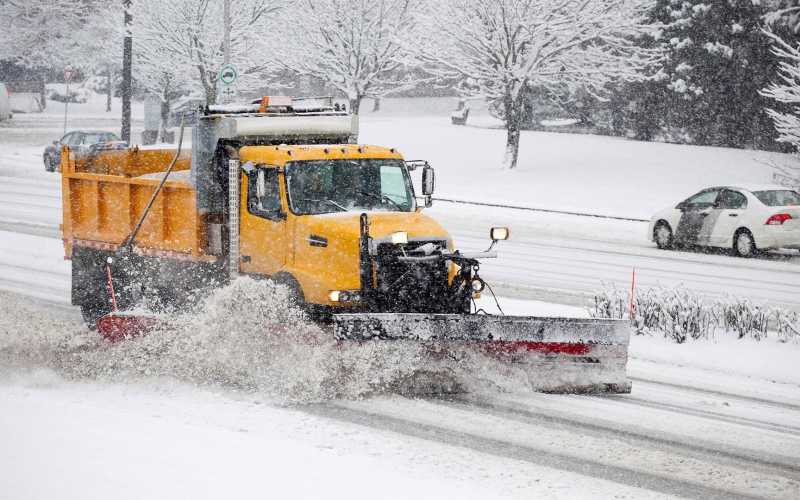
{"x":410,"y":286}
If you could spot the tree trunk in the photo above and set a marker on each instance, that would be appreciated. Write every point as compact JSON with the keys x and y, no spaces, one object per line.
{"x":162,"y":126}
{"x":376,"y":104}
{"x":513,"y":113}
{"x":109,"y":90}
{"x":355,"y":104}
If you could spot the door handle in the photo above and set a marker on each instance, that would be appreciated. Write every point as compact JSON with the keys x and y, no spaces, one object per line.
{"x":733,"y":215}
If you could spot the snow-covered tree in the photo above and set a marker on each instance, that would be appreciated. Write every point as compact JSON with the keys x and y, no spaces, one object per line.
{"x":40,"y":33}
{"x":355,"y":46}
{"x":717,"y":61}
{"x":504,"y":48}
{"x":157,"y":73}
{"x":786,"y":91}
{"x":192,"y":37}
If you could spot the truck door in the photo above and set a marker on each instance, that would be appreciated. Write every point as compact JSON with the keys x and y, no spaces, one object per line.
{"x":262,"y":229}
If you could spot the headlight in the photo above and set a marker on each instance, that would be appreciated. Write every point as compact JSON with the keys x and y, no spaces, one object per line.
{"x":399,"y":238}
{"x":344,"y":296}
{"x":498,"y":233}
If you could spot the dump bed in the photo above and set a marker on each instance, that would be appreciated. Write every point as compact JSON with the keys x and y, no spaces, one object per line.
{"x":104,"y":197}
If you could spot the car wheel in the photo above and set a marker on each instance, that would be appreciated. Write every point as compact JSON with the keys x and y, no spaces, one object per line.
{"x":743,"y":244}
{"x":663,"y":235}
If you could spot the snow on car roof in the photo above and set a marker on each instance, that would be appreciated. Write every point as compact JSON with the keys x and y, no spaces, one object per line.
{"x":760,"y":187}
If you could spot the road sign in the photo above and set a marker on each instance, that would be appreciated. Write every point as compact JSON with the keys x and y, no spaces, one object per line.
{"x":68,"y":73}
{"x":228,"y":74}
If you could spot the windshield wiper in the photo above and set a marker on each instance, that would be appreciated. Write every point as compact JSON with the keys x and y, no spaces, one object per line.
{"x":382,"y":197}
{"x":331,"y":202}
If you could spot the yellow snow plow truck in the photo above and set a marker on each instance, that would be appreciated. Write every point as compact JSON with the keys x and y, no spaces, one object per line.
{"x":280,"y":189}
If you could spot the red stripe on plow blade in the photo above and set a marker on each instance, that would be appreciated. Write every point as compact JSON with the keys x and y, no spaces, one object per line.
{"x":115,"y":327}
{"x":513,"y":346}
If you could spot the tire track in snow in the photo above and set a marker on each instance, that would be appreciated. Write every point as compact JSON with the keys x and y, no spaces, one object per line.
{"x":526,"y":453}
{"x":715,"y":392}
{"x":683,"y":410}
{"x":739,"y":457}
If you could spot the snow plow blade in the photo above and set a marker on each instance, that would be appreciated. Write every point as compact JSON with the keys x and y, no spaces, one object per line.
{"x":117,"y":326}
{"x":558,"y":355}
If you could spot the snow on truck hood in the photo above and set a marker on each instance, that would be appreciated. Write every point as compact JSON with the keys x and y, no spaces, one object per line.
{"x":382,"y":224}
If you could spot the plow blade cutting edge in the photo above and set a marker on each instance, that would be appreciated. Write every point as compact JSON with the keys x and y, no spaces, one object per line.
{"x":569,"y":355}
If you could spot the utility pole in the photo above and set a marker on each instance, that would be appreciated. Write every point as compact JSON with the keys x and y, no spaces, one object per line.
{"x":127,"y":61}
{"x":226,"y":50}
{"x":227,"y":21}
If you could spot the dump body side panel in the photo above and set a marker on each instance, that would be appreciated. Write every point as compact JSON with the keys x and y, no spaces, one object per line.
{"x":101,"y":210}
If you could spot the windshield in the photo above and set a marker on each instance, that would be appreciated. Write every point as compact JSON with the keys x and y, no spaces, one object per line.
{"x":778,"y":197}
{"x":323,"y":186}
{"x":99,"y":137}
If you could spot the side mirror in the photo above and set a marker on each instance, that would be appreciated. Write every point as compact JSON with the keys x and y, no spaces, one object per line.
{"x":261,"y":184}
{"x":428,"y":180}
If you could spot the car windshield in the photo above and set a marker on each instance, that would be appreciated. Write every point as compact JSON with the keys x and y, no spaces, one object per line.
{"x":97,"y":138}
{"x":778,"y":197}
{"x":323,"y":186}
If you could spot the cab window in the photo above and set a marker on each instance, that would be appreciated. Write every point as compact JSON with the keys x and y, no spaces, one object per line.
{"x":263,"y":193}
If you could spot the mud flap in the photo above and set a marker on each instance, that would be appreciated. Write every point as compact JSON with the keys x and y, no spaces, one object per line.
{"x":559,"y":355}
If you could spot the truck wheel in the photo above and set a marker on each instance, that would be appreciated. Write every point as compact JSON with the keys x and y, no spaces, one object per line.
{"x":89,"y":290}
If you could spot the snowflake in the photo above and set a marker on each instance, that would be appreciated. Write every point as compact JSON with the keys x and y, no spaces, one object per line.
{"x":736,"y":28}
{"x":718,"y":48}
{"x":678,"y":86}
{"x":684,"y":68}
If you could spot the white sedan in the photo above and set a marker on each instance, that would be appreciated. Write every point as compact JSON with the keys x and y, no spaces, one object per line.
{"x":744,"y":218}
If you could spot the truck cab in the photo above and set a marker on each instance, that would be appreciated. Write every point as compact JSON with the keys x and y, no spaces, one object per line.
{"x":300,"y":211}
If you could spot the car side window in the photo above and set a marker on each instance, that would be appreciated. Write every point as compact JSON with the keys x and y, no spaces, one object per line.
{"x":703,"y":198}
{"x":67,"y":138}
{"x":731,"y":200}
{"x":268,"y":204}
{"x":75,"y":140}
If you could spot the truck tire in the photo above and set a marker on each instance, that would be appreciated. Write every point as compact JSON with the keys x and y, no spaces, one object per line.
{"x":89,"y":289}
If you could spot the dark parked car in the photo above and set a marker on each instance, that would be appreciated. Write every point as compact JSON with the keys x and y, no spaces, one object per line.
{"x":82,"y":142}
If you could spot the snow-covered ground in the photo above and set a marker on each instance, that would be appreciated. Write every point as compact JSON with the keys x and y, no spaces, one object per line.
{"x":714,"y":419}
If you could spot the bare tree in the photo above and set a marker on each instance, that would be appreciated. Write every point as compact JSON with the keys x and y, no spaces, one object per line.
{"x":192,"y":35}
{"x":504,"y":48}
{"x":355,"y":46}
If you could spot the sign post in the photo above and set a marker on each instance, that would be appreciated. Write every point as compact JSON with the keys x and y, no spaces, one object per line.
{"x":227,"y":76}
{"x":68,"y":74}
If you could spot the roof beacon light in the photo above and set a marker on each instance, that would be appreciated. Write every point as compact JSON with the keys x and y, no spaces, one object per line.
{"x":274,"y":101}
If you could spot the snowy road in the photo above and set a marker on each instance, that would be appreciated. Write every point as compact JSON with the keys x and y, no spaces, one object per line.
{"x":659,"y":442}
{"x":549,"y":257}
